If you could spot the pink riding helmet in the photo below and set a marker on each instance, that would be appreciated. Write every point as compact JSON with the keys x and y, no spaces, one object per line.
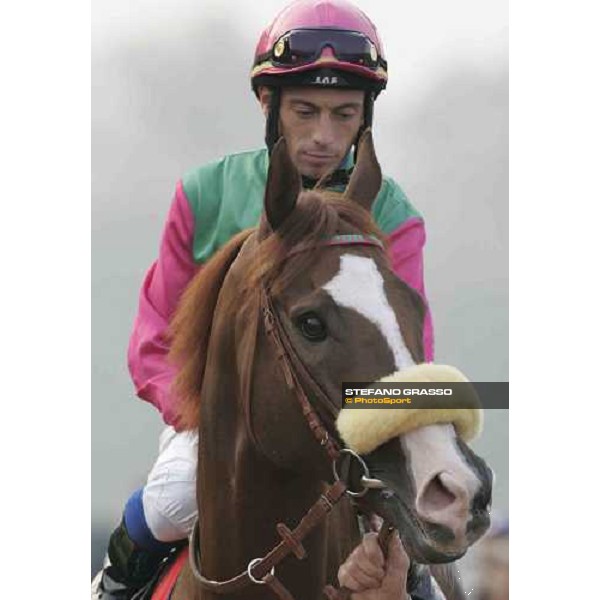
{"x":316,"y":25}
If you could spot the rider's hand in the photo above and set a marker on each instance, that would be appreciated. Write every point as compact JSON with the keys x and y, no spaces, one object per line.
{"x":370,"y":576}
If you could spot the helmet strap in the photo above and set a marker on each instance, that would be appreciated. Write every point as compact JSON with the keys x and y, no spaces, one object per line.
{"x":272,"y":128}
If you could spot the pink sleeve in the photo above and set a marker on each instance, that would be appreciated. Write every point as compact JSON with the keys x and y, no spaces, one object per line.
{"x":163,"y":285}
{"x":406,"y":253}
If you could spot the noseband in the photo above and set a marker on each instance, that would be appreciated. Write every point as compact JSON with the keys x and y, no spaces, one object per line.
{"x":261,"y":571}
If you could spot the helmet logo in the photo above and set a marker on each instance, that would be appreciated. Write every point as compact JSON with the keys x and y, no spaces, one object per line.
{"x":279,"y":48}
{"x":326,"y":80}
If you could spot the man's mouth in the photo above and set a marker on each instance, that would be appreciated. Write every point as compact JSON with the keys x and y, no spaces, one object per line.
{"x":318,"y":158}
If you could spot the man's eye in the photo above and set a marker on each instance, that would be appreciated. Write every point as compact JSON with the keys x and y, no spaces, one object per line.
{"x":304,"y":113}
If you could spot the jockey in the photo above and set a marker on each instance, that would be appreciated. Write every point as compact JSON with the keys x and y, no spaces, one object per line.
{"x":318,"y":69}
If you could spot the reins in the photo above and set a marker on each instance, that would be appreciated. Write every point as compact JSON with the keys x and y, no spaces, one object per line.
{"x":261,"y":571}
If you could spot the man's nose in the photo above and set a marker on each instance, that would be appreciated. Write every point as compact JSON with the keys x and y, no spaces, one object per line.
{"x":323,"y":134}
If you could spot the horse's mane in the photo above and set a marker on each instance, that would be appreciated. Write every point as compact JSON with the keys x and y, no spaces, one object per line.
{"x":191,"y":327}
{"x":317,"y":215}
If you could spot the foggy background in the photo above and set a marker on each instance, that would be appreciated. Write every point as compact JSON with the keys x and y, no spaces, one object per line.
{"x":171,"y":91}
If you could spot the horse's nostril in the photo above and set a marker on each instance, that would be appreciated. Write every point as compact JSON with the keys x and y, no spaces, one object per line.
{"x":436,"y":495}
{"x":445,"y":500}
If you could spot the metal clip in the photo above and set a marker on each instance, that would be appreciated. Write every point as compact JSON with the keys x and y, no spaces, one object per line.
{"x":366,"y":481}
{"x":253,"y":563}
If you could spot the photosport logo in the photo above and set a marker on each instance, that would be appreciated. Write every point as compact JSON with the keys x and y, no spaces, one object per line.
{"x":356,"y":395}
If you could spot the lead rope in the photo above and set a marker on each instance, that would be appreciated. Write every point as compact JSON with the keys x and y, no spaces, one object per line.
{"x":415,"y":570}
{"x":383,"y":538}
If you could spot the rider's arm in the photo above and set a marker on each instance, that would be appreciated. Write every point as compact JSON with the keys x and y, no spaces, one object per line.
{"x":163,"y":285}
{"x":406,"y":244}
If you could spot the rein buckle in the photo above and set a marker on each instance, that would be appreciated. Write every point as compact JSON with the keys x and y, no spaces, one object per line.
{"x":253,"y":563}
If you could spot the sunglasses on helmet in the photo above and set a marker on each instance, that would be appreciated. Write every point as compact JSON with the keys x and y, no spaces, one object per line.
{"x":303,"y":46}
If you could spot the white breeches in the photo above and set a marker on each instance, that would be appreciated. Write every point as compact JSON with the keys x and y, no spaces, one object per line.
{"x":169,"y":497}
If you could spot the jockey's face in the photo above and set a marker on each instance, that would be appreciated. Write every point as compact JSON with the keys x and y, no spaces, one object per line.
{"x":319,"y":126}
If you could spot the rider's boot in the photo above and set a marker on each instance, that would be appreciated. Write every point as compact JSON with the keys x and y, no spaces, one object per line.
{"x":127,"y":567}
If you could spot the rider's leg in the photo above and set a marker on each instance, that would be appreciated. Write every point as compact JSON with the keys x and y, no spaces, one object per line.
{"x":169,"y":498}
{"x":157,"y":518}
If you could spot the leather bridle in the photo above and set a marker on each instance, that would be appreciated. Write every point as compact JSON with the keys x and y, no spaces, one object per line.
{"x":261,"y":571}
{"x":294,"y":372}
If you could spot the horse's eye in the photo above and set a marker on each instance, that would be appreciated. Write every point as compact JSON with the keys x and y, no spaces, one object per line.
{"x":311,"y":327}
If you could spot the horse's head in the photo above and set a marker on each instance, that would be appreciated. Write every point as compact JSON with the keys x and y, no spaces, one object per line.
{"x":346,"y":316}
{"x":428,"y":483}
{"x":316,"y":271}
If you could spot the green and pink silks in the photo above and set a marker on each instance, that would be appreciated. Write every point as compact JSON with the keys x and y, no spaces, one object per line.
{"x":212,"y":204}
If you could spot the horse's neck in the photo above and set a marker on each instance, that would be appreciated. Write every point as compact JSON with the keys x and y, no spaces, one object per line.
{"x":241,"y":507}
{"x":242,"y":497}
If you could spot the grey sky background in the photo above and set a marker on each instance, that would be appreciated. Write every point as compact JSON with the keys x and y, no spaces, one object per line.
{"x":170,"y":90}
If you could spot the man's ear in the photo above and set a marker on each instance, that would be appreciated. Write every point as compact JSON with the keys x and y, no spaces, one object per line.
{"x":264,"y":97}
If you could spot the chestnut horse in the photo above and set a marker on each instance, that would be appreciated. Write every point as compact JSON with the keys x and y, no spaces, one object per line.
{"x":263,"y":338}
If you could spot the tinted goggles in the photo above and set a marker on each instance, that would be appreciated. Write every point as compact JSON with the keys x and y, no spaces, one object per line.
{"x":304,"y":46}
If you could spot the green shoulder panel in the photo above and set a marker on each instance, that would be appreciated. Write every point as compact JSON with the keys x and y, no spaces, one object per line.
{"x":226,"y":197}
{"x":391,"y":207}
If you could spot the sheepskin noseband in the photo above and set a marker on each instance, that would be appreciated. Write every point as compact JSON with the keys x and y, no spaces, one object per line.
{"x":365,"y":429}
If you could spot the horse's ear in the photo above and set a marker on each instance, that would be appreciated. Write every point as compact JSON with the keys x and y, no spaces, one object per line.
{"x":283,"y":186}
{"x":366,"y":178}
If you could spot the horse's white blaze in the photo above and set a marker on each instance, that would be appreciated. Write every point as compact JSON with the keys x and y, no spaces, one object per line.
{"x":445,"y":483}
{"x":359,"y":285}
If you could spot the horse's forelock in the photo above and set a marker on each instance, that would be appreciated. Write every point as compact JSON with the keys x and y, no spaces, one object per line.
{"x":318,"y":215}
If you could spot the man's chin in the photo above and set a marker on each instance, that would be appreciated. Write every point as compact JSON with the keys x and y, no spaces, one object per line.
{"x":313,"y":173}
{"x":315,"y":170}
